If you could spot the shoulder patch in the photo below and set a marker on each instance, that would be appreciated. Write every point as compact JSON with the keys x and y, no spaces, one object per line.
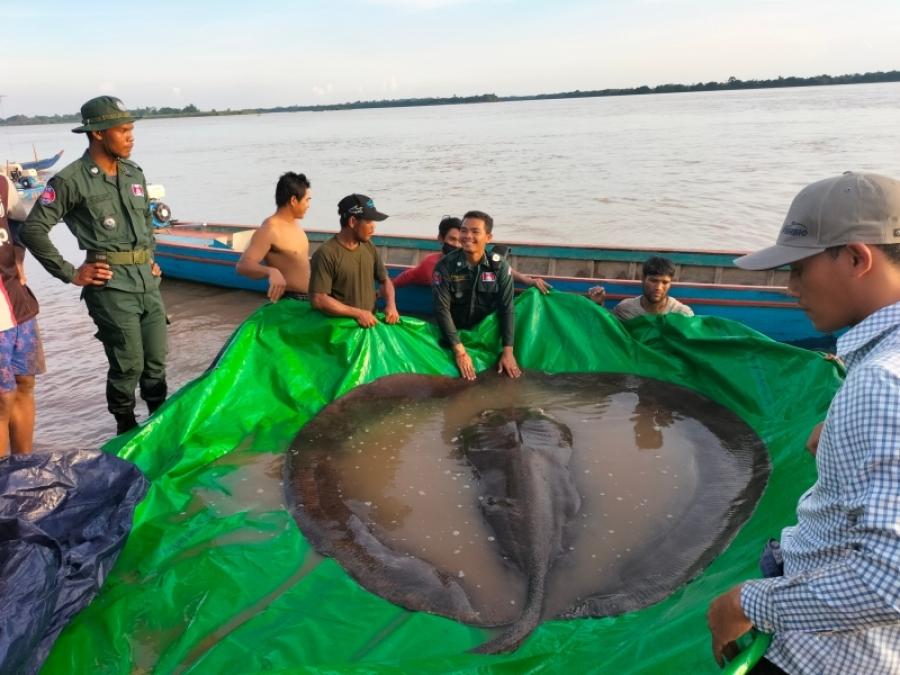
{"x":436,"y":279}
{"x":48,"y":196}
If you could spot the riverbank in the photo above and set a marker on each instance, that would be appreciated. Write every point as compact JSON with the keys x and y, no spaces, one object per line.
{"x":731,"y":84}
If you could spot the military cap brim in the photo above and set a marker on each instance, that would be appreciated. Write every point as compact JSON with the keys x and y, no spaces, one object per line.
{"x":105,"y":122}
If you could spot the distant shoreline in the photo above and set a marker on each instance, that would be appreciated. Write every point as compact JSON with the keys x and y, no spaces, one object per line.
{"x":732,"y":84}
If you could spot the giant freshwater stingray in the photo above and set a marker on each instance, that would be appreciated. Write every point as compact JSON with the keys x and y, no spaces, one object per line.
{"x":502,"y":503}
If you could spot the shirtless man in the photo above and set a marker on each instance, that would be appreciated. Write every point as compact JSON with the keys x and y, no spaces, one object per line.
{"x":280,"y":243}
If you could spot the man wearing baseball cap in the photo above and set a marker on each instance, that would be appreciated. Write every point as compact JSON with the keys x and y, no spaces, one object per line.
{"x":102,"y":197}
{"x":344,"y":269}
{"x":836,"y":609}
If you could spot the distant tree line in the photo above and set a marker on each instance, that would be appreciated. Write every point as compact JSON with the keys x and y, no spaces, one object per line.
{"x":732,"y":83}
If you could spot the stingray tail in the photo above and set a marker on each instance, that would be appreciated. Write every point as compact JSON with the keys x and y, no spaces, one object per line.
{"x":510,"y":639}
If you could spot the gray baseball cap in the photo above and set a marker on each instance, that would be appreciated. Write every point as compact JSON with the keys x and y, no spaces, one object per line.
{"x":853,"y":207}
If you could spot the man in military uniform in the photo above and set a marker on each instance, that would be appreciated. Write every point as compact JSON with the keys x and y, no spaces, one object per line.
{"x":468,"y":285}
{"x":102,"y":197}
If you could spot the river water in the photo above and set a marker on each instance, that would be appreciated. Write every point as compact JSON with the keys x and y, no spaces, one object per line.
{"x":712,"y":170}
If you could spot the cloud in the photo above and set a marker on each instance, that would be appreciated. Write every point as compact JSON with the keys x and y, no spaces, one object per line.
{"x":320,"y":90}
{"x":176,"y":91}
{"x":107,"y":87}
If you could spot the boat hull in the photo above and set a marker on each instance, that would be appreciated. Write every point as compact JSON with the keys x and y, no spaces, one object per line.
{"x":42,"y":164}
{"x":203,"y":253}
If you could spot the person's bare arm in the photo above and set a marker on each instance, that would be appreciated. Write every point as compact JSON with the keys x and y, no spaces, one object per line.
{"x":333,"y":307}
{"x":391,"y":315}
{"x":727,"y":622}
{"x":529,"y":280}
{"x":812,"y":443}
{"x":250,"y":265}
{"x":597,"y":294}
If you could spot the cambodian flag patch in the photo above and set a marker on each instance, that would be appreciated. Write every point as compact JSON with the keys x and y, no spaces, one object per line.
{"x":488,"y":276}
{"x":137,"y":190}
{"x":48,"y":196}
{"x":436,"y":279}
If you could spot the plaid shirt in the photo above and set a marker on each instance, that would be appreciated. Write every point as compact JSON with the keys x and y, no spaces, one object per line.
{"x":837,"y":607}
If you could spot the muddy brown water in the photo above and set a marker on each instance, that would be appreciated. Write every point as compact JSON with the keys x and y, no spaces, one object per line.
{"x":70,"y":396}
{"x":666,"y":478}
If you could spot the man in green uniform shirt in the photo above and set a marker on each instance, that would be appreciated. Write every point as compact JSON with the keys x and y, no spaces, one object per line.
{"x":102,"y":197}
{"x":467,"y":286}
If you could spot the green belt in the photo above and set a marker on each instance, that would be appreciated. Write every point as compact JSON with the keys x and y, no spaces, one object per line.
{"x":138,"y":257}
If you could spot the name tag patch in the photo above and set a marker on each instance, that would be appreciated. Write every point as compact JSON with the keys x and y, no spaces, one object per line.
{"x":488,"y":276}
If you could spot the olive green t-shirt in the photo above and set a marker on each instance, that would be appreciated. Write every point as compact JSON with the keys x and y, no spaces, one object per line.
{"x":347,"y":276}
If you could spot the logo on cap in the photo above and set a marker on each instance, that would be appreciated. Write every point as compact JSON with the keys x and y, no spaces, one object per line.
{"x":795,"y":229}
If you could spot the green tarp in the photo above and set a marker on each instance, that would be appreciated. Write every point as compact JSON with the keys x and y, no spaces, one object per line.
{"x":217,"y":578}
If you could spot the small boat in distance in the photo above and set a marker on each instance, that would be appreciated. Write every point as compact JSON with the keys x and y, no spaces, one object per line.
{"x":707,"y":281}
{"x":42,"y":164}
{"x":27,"y":181}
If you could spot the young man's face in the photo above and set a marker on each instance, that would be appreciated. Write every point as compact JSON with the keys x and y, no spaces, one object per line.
{"x":821,"y":290}
{"x":473,"y":236}
{"x":362,"y":229}
{"x":118,"y":141}
{"x":300,"y":206}
{"x":452,"y":237}
{"x":656,"y":287}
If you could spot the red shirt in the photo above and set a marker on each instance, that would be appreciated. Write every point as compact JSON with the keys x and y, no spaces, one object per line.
{"x":420,"y":275}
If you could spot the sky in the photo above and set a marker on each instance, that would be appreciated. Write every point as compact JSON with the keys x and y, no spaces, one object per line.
{"x":228,"y":54}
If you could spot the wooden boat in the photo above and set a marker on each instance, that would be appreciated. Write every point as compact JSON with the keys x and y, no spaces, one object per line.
{"x":42,"y":164}
{"x":707,"y":281}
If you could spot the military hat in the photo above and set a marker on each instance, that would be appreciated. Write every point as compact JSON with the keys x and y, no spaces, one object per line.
{"x":103,"y":112}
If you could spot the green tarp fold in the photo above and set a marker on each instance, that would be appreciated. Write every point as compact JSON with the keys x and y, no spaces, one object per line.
{"x":217,"y":578}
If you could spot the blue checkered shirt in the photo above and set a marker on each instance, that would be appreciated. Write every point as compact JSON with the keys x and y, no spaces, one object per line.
{"x":837,"y":607}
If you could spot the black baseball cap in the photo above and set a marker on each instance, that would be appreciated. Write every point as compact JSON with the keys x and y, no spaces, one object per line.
{"x":361,"y":207}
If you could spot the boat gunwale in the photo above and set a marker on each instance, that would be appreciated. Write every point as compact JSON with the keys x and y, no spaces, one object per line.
{"x":201,"y":225}
{"x":231,"y":253}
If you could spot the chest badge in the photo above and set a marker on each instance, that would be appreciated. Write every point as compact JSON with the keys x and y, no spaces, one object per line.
{"x":109,"y":223}
{"x":488,"y":276}
{"x":137,"y":190}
